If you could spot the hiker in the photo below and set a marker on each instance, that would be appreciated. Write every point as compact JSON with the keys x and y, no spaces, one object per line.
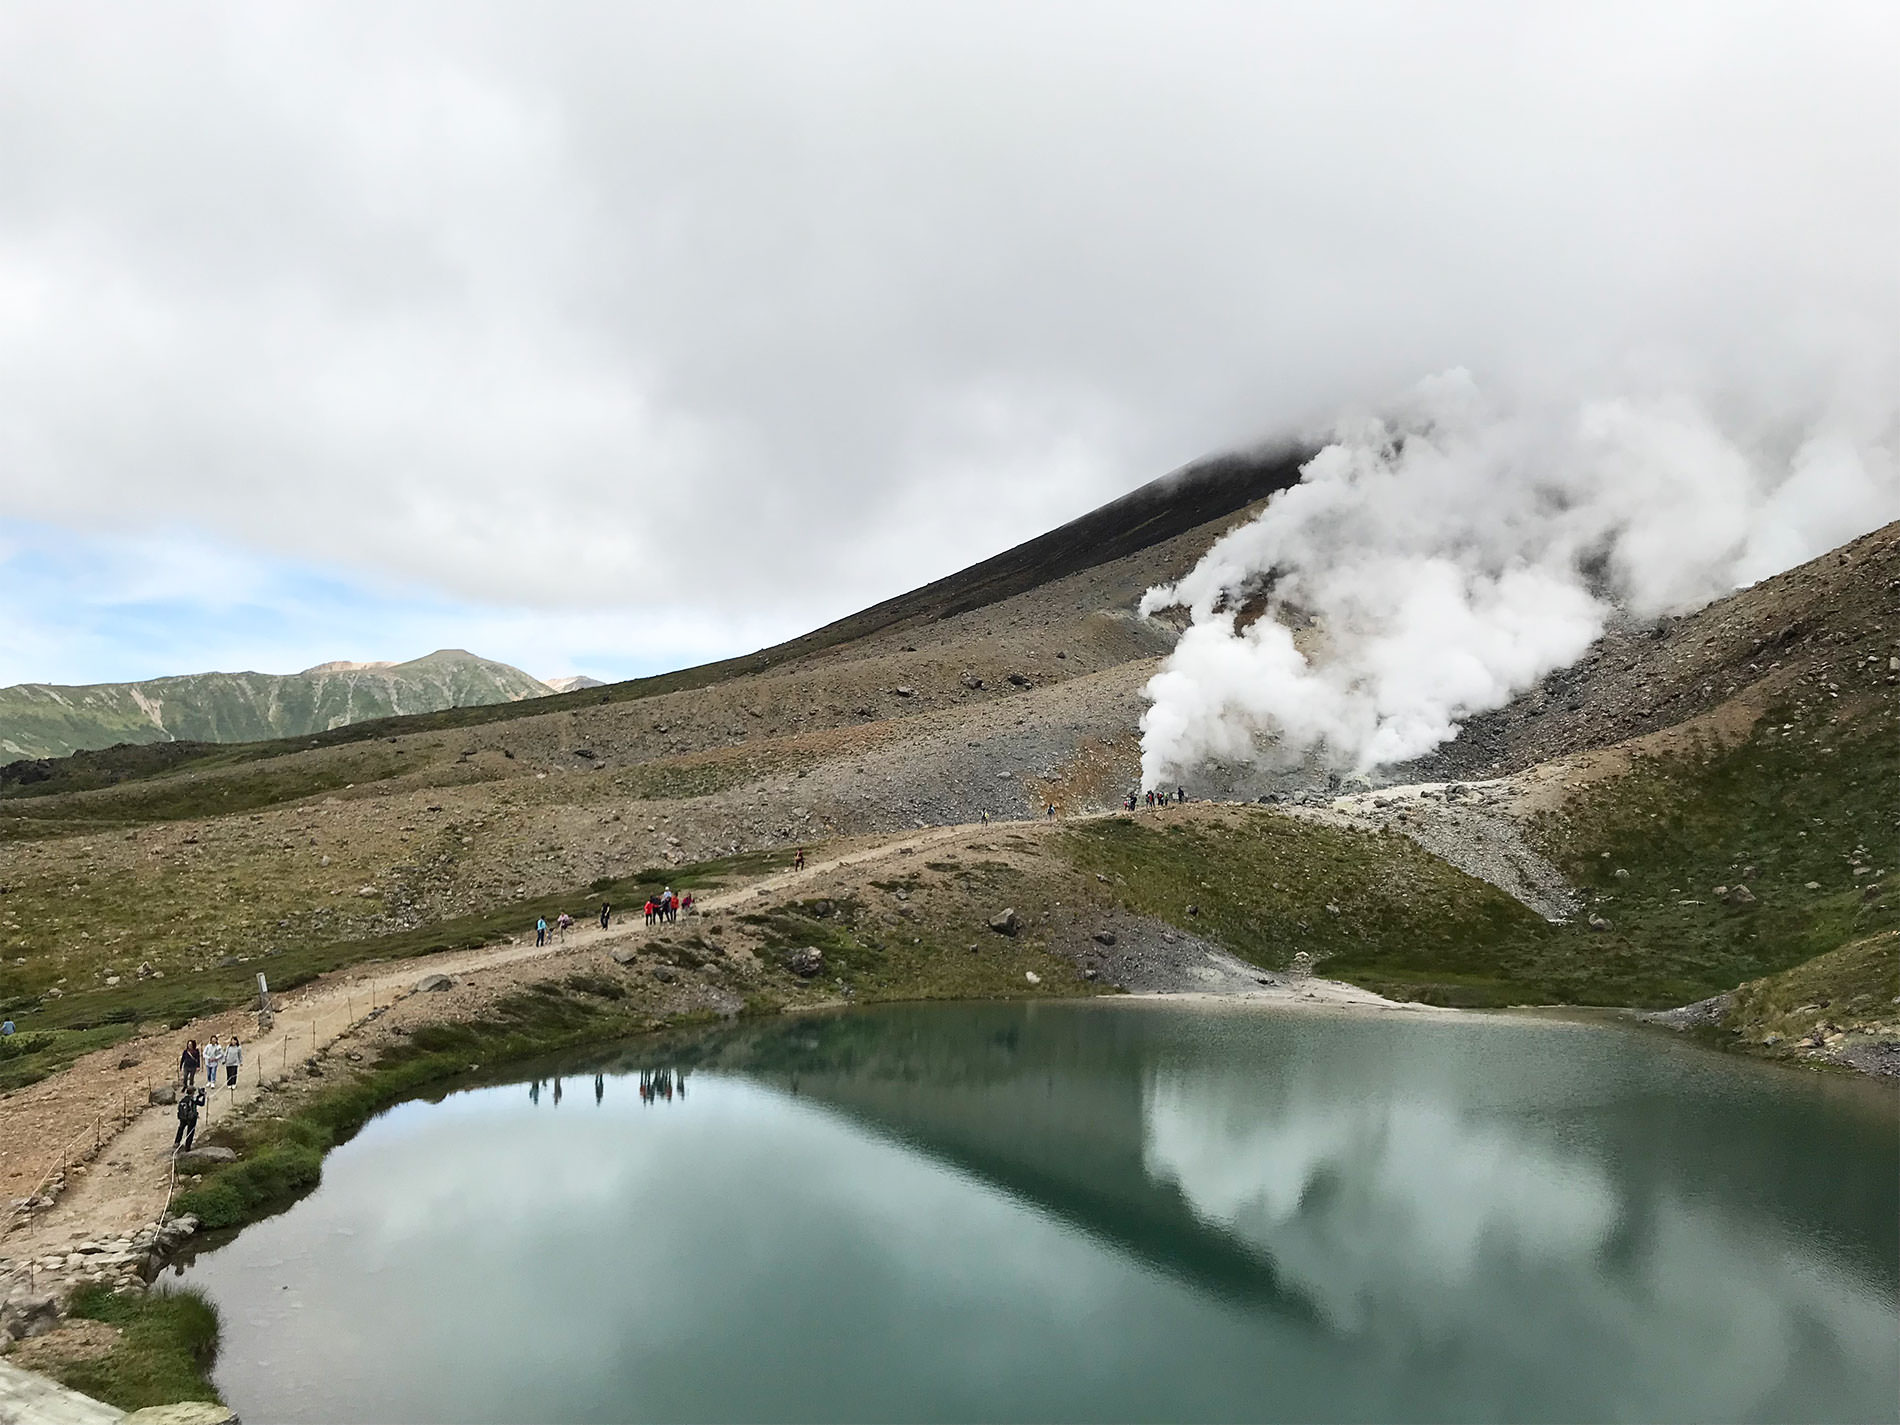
{"x":649,"y":909}
{"x":233,"y":1056}
{"x":214,"y":1056}
{"x":189,"y":1063}
{"x":187,"y":1121}
{"x":798,"y":859}
{"x":606,"y":914}
{"x":1051,"y":811}
{"x":666,"y":904}
{"x":564,"y":921}
{"x":1180,"y":794}
{"x":686,"y":902}
{"x":541,"y":930}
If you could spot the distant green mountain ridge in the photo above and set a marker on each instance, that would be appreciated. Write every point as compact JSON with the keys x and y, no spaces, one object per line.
{"x":47,"y":720}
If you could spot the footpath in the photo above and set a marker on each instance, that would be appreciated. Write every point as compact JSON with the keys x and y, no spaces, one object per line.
{"x":109,"y":1184}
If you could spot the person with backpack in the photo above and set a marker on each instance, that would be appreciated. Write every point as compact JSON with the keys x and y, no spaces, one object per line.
{"x":188,"y":1102}
{"x":214,"y":1056}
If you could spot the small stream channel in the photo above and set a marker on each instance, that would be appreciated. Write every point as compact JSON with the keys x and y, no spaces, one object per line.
{"x":1094,"y":1211}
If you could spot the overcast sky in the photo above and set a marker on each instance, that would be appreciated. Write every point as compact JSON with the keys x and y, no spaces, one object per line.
{"x":613,"y":337}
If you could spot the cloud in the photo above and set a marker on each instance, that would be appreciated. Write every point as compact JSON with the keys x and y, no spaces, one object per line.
{"x":85,"y":608}
{"x":688,"y":310}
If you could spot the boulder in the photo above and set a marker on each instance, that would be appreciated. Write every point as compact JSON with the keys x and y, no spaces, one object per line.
{"x":27,"y":1315}
{"x":1006,"y":922}
{"x":200,"y":1157}
{"x":1740,"y":895}
{"x":1032,"y":977}
{"x":1104,"y":937}
{"x":807,"y":962}
{"x":164,"y":1093}
{"x":665,"y":974}
{"x":972,"y":682}
{"x":622,"y":955}
{"x":1597,"y":922}
{"x":434,"y":982}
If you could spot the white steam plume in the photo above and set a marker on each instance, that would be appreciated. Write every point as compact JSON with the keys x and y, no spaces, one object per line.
{"x":1434,"y":563}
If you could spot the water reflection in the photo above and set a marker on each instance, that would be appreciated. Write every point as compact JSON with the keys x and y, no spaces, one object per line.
{"x":1009,"y":1212}
{"x":1412,"y":1221}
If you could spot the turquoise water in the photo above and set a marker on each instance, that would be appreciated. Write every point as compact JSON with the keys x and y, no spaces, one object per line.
{"x":1092,"y":1212}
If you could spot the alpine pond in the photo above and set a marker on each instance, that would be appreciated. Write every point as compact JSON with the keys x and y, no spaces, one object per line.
{"x":1093,"y":1211}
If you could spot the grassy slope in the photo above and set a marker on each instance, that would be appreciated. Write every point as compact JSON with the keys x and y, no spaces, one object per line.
{"x":61,"y":1030}
{"x":1779,"y":812}
{"x":1852,"y":990}
{"x":1265,"y":885}
{"x":1790,"y":814}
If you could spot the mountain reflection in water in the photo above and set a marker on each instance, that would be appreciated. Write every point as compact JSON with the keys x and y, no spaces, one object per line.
{"x":1097,"y":1211}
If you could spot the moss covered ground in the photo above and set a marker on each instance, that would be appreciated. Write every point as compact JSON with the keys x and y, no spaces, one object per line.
{"x":167,"y":1344}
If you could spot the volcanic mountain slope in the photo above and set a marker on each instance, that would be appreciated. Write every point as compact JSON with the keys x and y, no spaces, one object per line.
{"x":1828,"y":630}
{"x":994,"y":694}
{"x":178,"y":857}
{"x":44,"y":720}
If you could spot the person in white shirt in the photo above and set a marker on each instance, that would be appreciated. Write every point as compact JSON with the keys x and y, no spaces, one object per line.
{"x":214,"y":1056}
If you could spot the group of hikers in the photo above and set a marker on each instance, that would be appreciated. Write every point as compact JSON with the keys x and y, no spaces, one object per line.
{"x":1158,"y":799}
{"x":662,"y":909}
{"x":193,"y":1097}
{"x":665,"y":908}
{"x":229,"y":1055}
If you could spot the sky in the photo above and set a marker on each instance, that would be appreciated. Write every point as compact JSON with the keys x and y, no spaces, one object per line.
{"x":610,"y":338}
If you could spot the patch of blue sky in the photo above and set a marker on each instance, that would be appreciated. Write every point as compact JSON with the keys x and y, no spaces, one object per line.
{"x":90,"y":608}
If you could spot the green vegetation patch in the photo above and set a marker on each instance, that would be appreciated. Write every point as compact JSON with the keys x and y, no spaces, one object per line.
{"x":167,"y":1344}
{"x":1368,"y":907}
{"x":1790,"y":816}
{"x":215,"y":784}
{"x":1852,"y":990}
{"x":32,"y":1054}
